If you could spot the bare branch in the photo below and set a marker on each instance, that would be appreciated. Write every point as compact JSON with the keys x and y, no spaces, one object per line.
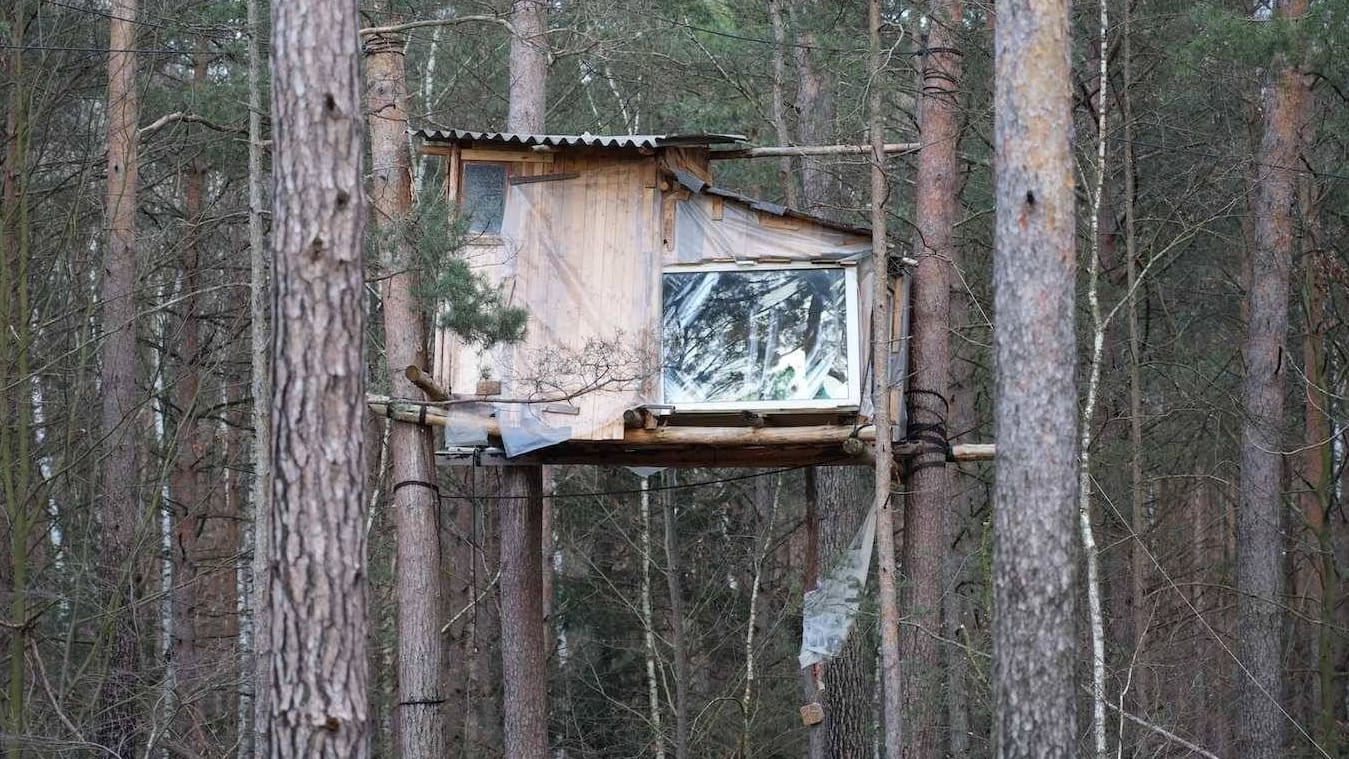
{"x":180,"y":117}
{"x":396,"y":28}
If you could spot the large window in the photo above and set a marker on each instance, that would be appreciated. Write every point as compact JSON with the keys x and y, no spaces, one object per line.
{"x":760,"y":338}
{"x":482,"y":196}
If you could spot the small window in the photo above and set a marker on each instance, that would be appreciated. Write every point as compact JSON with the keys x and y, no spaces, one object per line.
{"x":760,"y":338}
{"x":482,"y":196}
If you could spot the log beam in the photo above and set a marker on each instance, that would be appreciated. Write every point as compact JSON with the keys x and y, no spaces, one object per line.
{"x":778,"y":151}
{"x":681,"y":445}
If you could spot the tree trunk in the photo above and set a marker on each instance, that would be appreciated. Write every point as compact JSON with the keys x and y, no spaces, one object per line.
{"x":840,"y":496}
{"x":318,"y":672}
{"x":678,"y":653}
{"x":786,"y":178}
{"x":16,"y":398}
{"x":848,"y":684}
{"x":964,"y":529}
{"x":529,"y":66}
{"x":120,"y":513}
{"x":1035,"y":494}
{"x":420,"y":716}
{"x":189,"y":502}
{"x":255,"y":642}
{"x":1261,"y":726}
{"x":524,"y":668}
{"x":891,"y":680}
{"x":524,"y":638}
{"x":927,"y":501}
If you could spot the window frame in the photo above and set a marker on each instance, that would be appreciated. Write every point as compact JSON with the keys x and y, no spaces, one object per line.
{"x":853,"y":339}
{"x":461,"y":196}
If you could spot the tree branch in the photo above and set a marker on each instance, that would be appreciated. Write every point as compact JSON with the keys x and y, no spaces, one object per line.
{"x":371,"y":31}
{"x":186,"y":118}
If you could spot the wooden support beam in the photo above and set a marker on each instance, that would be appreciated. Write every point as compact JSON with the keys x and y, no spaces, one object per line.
{"x":427,"y":384}
{"x":688,"y":445}
{"x":778,"y":151}
{"x":973,"y":452}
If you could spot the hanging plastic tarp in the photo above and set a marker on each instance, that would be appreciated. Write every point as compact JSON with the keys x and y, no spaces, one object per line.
{"x":831,"y":608}
{"x":524,"y":428}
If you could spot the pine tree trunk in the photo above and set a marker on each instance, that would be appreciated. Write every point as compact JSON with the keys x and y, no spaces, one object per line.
{"x":844,"y":496}
{"x":120,"y":513}
{"x":1260,"y":568}
{"x":17,"y":467}
{"x":885,"y":492}
{"x":1035,"y":493}
{"x":420,"y":715}
{"x":316,"y":571}
{"x":678,"y":650}
{"x":529,"y":66}
{"x":524,"y":665}
{"x":928,"y":499}
{"x":524,"y":668}
{"x":255,"y":640}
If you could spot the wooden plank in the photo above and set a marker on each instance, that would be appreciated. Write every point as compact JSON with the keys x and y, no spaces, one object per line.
{"x":571,"y":454}
{"x":769,"y":221}
{"x":505,"y":156}
{"x":543,"y":178}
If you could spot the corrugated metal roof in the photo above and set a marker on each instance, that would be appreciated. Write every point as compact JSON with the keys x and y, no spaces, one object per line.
{"x":574,"y":140}
{"x":695,"y":184}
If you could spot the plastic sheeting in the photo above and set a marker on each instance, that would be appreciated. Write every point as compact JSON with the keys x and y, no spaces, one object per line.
{"x":756,"y":335}
{"x":524,"y":428}
{"x":738,"y":235}
{"x":831,"y":608}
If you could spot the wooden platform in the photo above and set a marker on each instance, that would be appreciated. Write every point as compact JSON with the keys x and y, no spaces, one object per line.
{"x":692,"y":440}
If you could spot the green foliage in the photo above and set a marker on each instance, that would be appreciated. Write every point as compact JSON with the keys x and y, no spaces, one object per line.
{"x":465,"y":302}
{"x":1311,"y":41}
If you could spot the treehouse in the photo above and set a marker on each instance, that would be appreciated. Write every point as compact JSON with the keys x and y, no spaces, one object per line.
{"x":670,"y":322}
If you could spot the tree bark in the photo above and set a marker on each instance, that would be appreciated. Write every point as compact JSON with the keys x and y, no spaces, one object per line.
{"x":255,"y":642}
{"x":420,"y":717}
{"x":843,"y":497}
{"x":17,"y":467}
{"x":891,"y":678}
{"x":524,"y":638}
{"x":1035,"y":494}
{"x":524,"y":668}
{"x":529,"y":66}
{"x":678,"y":652}
{"x":120,"y":513}
{"x":1261,"y":725}
{"x":927,"y":499}
{"x":316,"y":570}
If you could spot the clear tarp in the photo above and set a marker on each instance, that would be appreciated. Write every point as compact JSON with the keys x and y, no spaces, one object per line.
{"x":714,"y":229}
{"x":831,"y":608}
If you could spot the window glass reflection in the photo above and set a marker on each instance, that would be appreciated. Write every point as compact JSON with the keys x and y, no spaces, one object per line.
{"x":756,"y":335}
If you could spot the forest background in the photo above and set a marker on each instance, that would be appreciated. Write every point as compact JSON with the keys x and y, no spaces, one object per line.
{"x":673,"y":603}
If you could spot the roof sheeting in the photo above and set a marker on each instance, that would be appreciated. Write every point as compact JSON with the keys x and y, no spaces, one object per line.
{"x":696,"y":185}
{"x":509,"y":139}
